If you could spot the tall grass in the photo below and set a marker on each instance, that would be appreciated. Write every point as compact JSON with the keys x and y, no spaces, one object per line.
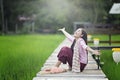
{"x":21,"y":57}
{"x":110,"y":68}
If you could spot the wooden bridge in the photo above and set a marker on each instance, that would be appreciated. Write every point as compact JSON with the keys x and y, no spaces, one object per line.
{"x":91,"y":71}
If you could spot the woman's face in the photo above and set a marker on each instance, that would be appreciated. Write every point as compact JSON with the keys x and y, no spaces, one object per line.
{"x":78,"y":33}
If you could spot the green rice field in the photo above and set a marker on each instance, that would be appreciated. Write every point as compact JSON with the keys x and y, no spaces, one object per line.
{"x":22,"y":56}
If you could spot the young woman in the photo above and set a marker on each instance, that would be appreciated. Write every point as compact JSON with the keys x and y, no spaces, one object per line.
{"x":76,"y":56}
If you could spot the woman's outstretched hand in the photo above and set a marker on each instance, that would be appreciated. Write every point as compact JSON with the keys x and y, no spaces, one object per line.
{"x":96,"y":52}
{"x":63,"y":29}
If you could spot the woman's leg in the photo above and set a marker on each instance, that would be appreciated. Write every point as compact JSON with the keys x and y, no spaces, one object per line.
{"x":82,"y":66}
{"x":65,"y":55}
{"x":58,"y":63}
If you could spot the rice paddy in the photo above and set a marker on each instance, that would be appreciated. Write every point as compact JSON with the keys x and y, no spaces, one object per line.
{"x":22,"y":56}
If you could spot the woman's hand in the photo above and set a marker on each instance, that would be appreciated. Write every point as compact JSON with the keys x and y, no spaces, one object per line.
{"x":63,"y":29}
{"x":96,"y":52}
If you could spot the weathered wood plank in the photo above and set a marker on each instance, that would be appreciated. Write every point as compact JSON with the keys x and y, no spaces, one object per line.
{"x":69,"y":78}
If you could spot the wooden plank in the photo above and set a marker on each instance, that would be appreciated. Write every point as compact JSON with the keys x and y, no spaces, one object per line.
{"x":88,"y":72}
{"x":69,"y":78}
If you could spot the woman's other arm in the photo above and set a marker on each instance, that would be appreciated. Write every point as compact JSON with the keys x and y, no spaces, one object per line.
{"x":93,"y":51}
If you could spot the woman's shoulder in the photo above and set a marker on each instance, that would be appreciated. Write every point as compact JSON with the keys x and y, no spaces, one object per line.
{"x":80,"y":39}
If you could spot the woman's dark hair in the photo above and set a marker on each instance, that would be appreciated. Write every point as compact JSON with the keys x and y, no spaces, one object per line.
{"x":84,"y":35}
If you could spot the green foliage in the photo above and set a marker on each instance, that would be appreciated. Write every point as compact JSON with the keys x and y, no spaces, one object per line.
{"x":21,"y":57}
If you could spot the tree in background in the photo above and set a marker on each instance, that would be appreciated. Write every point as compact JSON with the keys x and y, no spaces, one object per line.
{"x":37,"y":15}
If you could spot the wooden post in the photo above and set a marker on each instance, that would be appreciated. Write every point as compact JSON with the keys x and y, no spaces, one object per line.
{"x":2,"y":15}
{"x":109,"y":39}
{"x":16,"y":28}
{"x":33,"y":26}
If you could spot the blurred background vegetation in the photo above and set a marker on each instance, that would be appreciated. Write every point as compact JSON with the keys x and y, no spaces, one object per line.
{"x":31,"y":16}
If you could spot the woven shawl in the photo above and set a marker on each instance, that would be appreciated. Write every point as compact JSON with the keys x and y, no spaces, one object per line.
{"x":76,"y":58}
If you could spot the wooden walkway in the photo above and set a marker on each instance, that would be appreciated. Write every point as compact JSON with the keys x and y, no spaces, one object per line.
{"x":90,"y":73}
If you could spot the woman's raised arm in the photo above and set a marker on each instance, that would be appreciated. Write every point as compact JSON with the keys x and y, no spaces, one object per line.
{"x":70,"y":37}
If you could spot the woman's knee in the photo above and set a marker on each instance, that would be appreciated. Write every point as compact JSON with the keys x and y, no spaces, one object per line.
{"x":64,"y":48}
